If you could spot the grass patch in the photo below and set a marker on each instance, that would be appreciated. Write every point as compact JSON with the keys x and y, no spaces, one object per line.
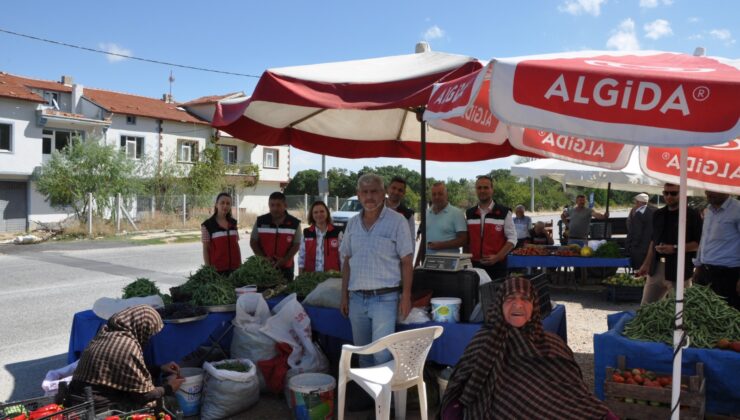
{"x":166,"y":240}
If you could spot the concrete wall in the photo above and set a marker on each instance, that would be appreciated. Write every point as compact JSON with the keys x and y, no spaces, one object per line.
{"x":25,"y":138}
{"x":255,"y":199}
{"x":39,"y":209}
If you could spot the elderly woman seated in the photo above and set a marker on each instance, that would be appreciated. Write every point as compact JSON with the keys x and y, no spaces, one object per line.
{"x":113,"y":363}
{"x":512,"y":368}
{"x":539,"y":235}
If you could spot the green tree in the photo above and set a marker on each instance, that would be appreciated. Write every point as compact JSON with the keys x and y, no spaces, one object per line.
{"x":342,"y":183}
{"x":86,"y":167}
{"x":304,"y":182}
{"x":206,"y":177}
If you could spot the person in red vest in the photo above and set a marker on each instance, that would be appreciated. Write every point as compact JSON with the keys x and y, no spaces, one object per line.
{"x":320,"y":246}
{"x":491,"y":231}
{"x":220,"y":237}
{"x":277,"y":235}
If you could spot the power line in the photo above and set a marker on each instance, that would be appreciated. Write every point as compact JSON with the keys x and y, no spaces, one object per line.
{"x":79,"y":47}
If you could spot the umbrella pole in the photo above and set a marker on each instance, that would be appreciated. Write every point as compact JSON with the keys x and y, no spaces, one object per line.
{"x":423,"y":218}
{"x":608,"y":195}
{"x":679,"y":337}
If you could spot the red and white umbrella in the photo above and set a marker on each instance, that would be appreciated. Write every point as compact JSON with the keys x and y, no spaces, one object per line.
{"x":591,"y":99}
{"x":355,"y":109}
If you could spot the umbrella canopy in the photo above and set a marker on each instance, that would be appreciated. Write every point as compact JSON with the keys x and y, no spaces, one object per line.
{"x":630,"y":98}
{"x":630,"y":178}
{"x":354,"y":109}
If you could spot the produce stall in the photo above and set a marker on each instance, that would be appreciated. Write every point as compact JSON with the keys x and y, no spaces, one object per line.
{"x":550,"y":261}
{"x":721,"y":367}
{"x":175,"y":341}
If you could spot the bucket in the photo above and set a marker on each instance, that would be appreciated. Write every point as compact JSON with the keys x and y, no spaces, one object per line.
{"x":244,"y":290}
{"x":442,"y":379}
{"x":312,"y":396}
{"x":446,"y":309}
{"x":188,"y":396}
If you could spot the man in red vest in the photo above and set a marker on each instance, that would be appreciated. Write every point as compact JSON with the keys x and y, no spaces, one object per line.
{"x":491,"y":231}
{"x":277,"y":235}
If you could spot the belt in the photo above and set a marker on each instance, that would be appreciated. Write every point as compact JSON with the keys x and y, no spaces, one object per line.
{"x":709,"y":267}
{"x":378,"y":292}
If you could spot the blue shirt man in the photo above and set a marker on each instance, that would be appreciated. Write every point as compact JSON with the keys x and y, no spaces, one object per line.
{"x":446,"y":227}
{"x":377,"y":270}
{"x":718,"y":257}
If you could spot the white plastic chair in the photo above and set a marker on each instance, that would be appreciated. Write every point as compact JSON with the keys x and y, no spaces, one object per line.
{"x":409,"y":349}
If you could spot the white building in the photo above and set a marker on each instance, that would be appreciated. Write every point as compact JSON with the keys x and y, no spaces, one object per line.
{"x":38,"y":116}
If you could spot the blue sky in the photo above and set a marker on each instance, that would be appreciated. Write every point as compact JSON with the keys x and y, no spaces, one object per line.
{"x":248,"y":37}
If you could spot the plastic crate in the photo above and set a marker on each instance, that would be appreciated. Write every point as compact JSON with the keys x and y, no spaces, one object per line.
{"x":616,"y":293}
{"x":84,"y":410}
{"x":150,"y":411}
{"x":540,"y":283}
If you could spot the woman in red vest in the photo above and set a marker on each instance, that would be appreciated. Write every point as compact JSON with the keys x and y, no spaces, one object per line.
{"x":320,"y":247}
{"x":220,"y":237}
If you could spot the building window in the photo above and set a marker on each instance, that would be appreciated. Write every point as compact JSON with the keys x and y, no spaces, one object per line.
{"x":187,"y":151}
{"x":55,"y":140}
{"x":52,"y":99}
{"x":5,"y":141}
{"x":131,"y":119}
{"x":132,"y":146}
{"x":228,"y":154}
{"x":270,"y":158}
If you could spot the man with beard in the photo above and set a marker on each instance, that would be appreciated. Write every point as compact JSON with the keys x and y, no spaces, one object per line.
{"x":661,"y":262}
{"x":718,"y":258}
{"x":396,"y":192}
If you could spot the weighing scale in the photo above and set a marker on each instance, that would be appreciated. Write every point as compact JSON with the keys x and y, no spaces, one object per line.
{"x":447,"y":261}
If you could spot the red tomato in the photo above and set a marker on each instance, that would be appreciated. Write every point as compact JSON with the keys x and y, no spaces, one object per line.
{"x":639,"y":379}
{"x":630,"y":381}
{"x":617,"y":378}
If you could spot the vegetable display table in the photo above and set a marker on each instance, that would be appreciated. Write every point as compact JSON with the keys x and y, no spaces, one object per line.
{"x":721,"y":367}
{"x":522,"y":261}
{"x":176,"y":341}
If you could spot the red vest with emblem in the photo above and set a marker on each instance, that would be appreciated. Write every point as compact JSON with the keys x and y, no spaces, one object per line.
{"x":493,"y":237}
{"x":277,"y":240}
{"x":223,"y":249}
{"x":331,"y":248}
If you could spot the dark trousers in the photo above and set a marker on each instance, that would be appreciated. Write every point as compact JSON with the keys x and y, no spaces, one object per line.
{"x":288,"y":273}
{"x":495,"y":271}
{"x":723,"y":281}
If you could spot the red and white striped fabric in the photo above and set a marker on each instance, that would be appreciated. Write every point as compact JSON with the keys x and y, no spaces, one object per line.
{"x":354,"y":109}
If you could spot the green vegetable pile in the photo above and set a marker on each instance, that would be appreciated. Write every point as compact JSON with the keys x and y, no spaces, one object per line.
{"x":208,"y":288}
{"x":306,"y":282}
{"x":625,"y":279}
{"x":258,"y":271}
{"x":608,"y":250}
{"x":707,"y":319}
{"x":233,"y":366}
{"x":142,"y":287}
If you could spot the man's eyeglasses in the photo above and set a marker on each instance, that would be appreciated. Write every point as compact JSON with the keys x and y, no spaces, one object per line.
{"x":674,"y":193}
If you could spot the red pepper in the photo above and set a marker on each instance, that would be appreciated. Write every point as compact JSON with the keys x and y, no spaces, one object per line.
{"x":141,"y":417}
{"x":112,"y":418}
{"x":20,"y":417}
{"x":45,"y":411}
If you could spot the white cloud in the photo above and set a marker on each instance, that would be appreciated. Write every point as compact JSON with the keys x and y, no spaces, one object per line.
{"x":624,"y":37}
{"x":115,"y":49}
{"x":577,"y":7}
{"x":434,"y":32}
{"x":694,"y":19}
{"x":658,"y":29}
{"x":649,"y":4}
{"x":723,"y":35}
{"x":695,"y":37}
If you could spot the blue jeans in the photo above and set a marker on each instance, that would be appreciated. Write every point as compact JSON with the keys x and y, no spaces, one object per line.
{"x":372,"y":317}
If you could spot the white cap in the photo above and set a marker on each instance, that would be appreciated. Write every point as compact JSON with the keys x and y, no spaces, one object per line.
{"x":642,"y":197}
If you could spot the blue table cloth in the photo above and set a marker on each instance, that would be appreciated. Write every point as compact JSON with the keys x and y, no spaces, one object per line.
{"x":721,"y":367}
{"x":176,"y":341}
{"x":521,"y":261}
{"x":173,"y":343}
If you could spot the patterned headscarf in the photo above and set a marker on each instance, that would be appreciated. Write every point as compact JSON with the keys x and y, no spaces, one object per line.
{"x":525,"y":372}
{"x":115,"y":357}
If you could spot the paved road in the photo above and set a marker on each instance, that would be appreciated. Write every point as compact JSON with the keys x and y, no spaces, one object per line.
{"x":43,"y":286}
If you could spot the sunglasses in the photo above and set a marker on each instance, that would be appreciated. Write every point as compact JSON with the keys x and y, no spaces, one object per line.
{"x":674,"y":193}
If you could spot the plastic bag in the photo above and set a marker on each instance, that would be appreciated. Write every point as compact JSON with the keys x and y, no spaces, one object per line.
{"x":107,"y":307}
{"x":291,"y":325}
{"x":417,"y":316}
{"x":50,"y":384}
{"x":248,"y":342}
{"x":327,"y":294}
{"x":226,"y":392}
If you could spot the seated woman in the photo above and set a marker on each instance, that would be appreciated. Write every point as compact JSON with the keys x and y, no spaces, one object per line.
{"x":540,"y":236}
{"x":512,"y":368}
{"x":113,"y":363}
